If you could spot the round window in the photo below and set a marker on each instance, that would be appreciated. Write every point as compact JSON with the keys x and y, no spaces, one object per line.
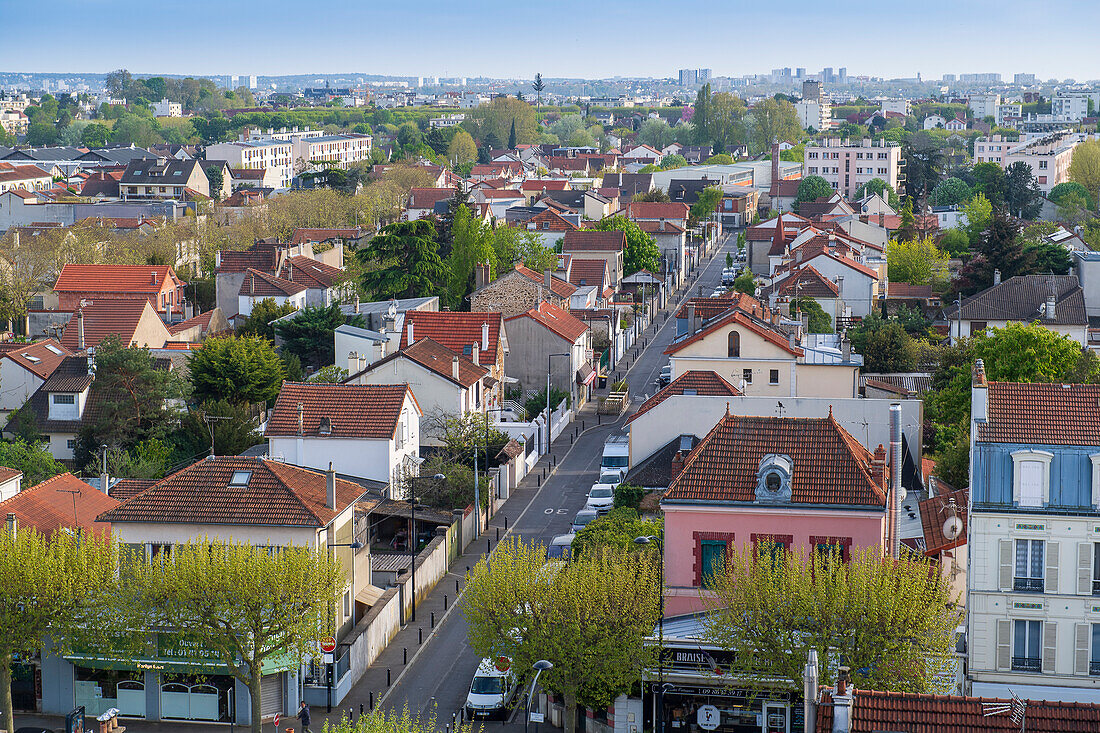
{"x":773,"y":481}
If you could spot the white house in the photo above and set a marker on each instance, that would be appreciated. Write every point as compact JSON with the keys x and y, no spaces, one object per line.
{"x":259,"y":285}
{"x":1055,"y":302}
{"x":24,"y":368}
{"x":931,"y":122}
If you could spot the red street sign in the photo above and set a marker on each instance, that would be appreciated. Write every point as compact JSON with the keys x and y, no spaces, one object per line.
{"x":277,"y":718}
{"x":328,"y":645}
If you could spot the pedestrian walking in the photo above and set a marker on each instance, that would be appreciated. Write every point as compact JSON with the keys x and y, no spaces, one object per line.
{"x":303,"y":715}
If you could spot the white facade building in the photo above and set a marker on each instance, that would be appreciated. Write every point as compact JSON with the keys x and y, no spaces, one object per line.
{"x":847,"y":165}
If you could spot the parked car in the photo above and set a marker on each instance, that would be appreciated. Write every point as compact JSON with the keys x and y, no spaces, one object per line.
{"x":665,"y":376}
{"x":612,"y":476}
{"x":560,"y":546}
{"x":584,"y":516}
{"x":491,"y":689}
{"x":728,"y":276}
{"x":600,"y":497}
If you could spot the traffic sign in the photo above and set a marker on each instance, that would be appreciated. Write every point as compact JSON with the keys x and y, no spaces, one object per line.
{"x":538,"y":717}
{"x":328,"y":644}
{"x":708,"y":717}
{"x":278,"y":717}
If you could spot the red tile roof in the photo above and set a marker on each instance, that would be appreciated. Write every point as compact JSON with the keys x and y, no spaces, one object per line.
{"x":594,"y":241}
{"x":1042,"y":414}
{"x":426,"y":198}
{"x":742,"y":319}
{"x":805,"y":282}
{"x":657,"y":210}
{"x":558,"y":286}
{"x":367,"y":411}
{"x":710,"y":307}
{"x":456,"y":331}
{"x":710,"y":384}
{"x":48,"y":506}
{"x":556,"y":320}
{"x":830,"y":466}
{"x":439,"y":359}
{"x":312,"y":273}
{"x":659,"y":227}
{"x":114,"y":278}
{"x":874,"y":711}
{"x":550,"y":221}
{"x":276,"y":494}
{"x":259,"y":256}
{"x":588,"y":272}
{"x":202,"y":320}
{"x":505,"y":193}
{"x":907,"y":290}
{"x":37,"y":358}
{"x":104,"y":317}
{"x":544,"y":184}
{"x":934,"y":512}
{"x":127,"y":488}
{"x":264,"y":285}
{"x":22,"y":173}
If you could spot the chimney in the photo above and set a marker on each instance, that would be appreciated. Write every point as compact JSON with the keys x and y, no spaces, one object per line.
{"x":91,"y":362}
{"x":996,"y":277}
{"x":357,"y":302}
{"x":485,"y":335}
{"x":152,"y":278}
{"x":882,"y":219}
{"x":410,"y":333}
{"x":979,"y":393}
{"x":481,"y":275}
{"x":878,"y":463}
{"x":80,"y":329}
{"x":252,"y":284}
{"x":846,"y":349}
{"x":290,"y":271}
{"x":547,"y":280}
{"x":677,"y":465}
{"x":11,"y":524}
{"x":895,"y":473}
{"x":842,"y":704}
{"x":810,"y":691}
{"x":301,"y":413}
{"x":475,"y":355}
{"x":1051,"y":308}
{"x":454,"y":367}
{"x":330,"y":480}
{"x":104,"y":477}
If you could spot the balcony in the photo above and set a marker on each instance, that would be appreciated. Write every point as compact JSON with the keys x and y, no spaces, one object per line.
{"x":1096,"y":587}
{"x":1026,"y":664}
{"x":1094,"y":668}
{"x":1030,"y":585}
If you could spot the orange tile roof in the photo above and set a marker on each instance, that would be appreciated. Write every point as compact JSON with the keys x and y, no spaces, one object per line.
{"x":805,"y":282}
{"x":743,"y":319}
{"x":114,"y":278}
{"x":542,"y":184}
{"x":456,"y":331}
{"x":588,"y":272}
{"x":554,"y":222}
{"x":710,"y":307}
{"x":830,"y":466}
{"x":437,"y":358}
{"x":105,"y":317}
{"x":1042,"y":414}
{"x":353,"y":410}
{"x":48,"y":506}
{"x":657,"y":210}
{"x":592,"y":241}
{"x":507,"y":193}
{"x":710,"y":384}
{"x":264,"y":285}
{"x":934,"y":512}
{"x":312,"y":273}
{"x":277,"y":494}
{"x":658,"y":227}
{"x":37,"y":358}
{"x":426,"y":198}
{"x":556,"y":320}
{"x":558,"y":286}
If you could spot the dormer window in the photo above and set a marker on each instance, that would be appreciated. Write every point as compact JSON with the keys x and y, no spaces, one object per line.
{"x":773,"y":479}
{"x":325,"y":427}
{"x":1031,"y":478}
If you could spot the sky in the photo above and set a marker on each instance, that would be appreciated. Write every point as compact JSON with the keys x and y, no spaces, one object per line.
{"x":568,"y":38}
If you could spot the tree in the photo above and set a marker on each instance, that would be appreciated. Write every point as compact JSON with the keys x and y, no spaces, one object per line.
{"x":1084,"y":168}
{"x":472,"y":245}
{"x":309,"y":333}
{"x":918,"y":262}
{"x":819,"y":320}
{"x":950,"y":192}
{"x":235,"y":430}
{"x":330,"y":374}
{"x":657,"y":195}
{"x":989,"y":180}
{"x":1022,"y":195}
{"x":408,"y":135}
{"x":670,"y":162}
{"x":884,"y":344}
{"x":497,"y":117}
{"x":512,"y":135}
{"x":258,"y":322}
{"x":924,"y":163}
{"x":772,"y":120}
{"x":770,"y":607}
{"x":242,"y":601}
{"x":539,"y":87}
{"x":998,"y":249}
{"x":33,"y":459}
{"x":454,"y":491}
{"x":385,"y":722}
{"x":701,"y":116}
{"x":236,"y":369}
{"x":655,"y":133}
{"x":26,"y":270}
{"x":745,"y":282}
{"x":408,"y":262}
{"x":955,"y":242}
{"x":704,"y":208}
{"x":462,"y":149}
{"x":40,"y":134}
{"x":216,"y":178}
{"x":880,"y":187}
{"x":590,"y":618}
{"x":617,"y":529}
{"x":726,"y":120}
{"x":49,"y":589}
{"x":812,"y":188}
{"x":979,"y":212}
{"x":1073,"y":210}
{"x":642,"y":252}
{"x":907,"y":224}
{"x":1062,"y":190}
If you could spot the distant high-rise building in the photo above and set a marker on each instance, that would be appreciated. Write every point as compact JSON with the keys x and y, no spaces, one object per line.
{"x":1023,"y":79}
{"x":234,"y":81}
{"x":800,"y":72}
{"x":980,"y":78}
{"x":252,"y":81}
{"x":827,"y":75}
{"x":702,"y":75}
{"x":948,"y":79}
{"x":811,"y":91}
{"x":688,"y":77}
{"x":842,"y":77}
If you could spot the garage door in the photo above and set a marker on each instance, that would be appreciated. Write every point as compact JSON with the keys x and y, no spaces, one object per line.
{"x":271,"y":695}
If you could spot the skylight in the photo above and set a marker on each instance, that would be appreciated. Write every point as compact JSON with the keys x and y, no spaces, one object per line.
{"x":53,"y":349}
{"x":240,"y":478}
{"x":31,"y":359}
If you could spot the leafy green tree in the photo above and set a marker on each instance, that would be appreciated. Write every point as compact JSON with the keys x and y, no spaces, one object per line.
{"x":772,"y":120}
{"x":258,"y":322}
{"x":536,"y":403}
{"x":989,"y":180}
{"x":1084,"y":168}
{"x":720,"y":159}
{"x":955,"y":242}
{"x":701,"y":117}
{"x":670,"y":162}
{"x":726,"y":121}
{"x":472,"y":245}
{"x":216,"y":178}
{"x":655,"y":133}
{"x":819,"y":320}
{"x":616,"y":529}
{"x":884,"y":344}
{"x":330,"y":374}
{"x":880,"y":187}
{"x":629,"y":496}
{"x":1073,"y":210}
{"x":1059,"y":192}
{"x":589,"y":618}
{"x":495,"y":121}
{"x":465,"y":435}
{"x":705,"y":207}
{"x":918,"y":262}
{"x":998,"y":249}
{"x":907,"y":225}
{"x":247,"y":604}
{"x":1022,"y":195}
{"x":235,"y":430}
{"x":512,"y":136}
{"x":236,"y":369}
{"x":924,"y":163}
{"x":759,"y":613}
{"x":402,"y":262}
{"x":131,"y":129}
{"x":309,"y":334}
{"x":979,"y":212}
{"x":462,"y":149}
{"x":642,"y":252}
{"x":33,"y":459}
{"x":49,"y":589}
{"x":950,"y":192}
{"x":40,"y":134}
{"x":408,"y":135}
{"x":745,"y":282}
{"x":811,"y":188}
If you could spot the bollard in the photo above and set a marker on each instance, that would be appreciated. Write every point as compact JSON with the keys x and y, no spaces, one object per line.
{"x":371,"y":703}
{"x":361,"y":704}
{"x":582,"y":424}
{"x":456,"y":585}
{"x":488,"y":547}
{"x":570,"y":439}
{"x":498,"y":534}
{"x":444,"y":601}
{"x":404,"y":655}
{"x":433,"y":620}
{"x":538,"y":481}
{"x":387,"y":677}
{"x":420,"y":635}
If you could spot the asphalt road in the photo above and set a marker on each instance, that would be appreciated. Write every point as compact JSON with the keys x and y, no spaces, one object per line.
{"x":438,"y":680}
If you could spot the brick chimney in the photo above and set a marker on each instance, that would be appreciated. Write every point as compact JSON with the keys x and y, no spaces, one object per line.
{"x":481,"y":275}
{"x":878,"y":465}
{"x":677,"y":465}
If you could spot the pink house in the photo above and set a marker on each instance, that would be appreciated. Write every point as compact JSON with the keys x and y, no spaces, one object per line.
{"x":803,"y":483}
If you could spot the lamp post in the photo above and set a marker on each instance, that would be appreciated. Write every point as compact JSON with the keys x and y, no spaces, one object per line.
{"x":654,"y":540}
{"x":548,"y":368}
{"x":414,"y":544}
{"x":540,"y":666}
{"x":477,"y":494}
{"x":353,"y":546}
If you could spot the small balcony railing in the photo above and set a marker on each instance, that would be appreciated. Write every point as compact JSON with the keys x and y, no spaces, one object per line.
{"x":1028,"y":585}
{"x":1094,"y":668}
{"x":1026,"y":664}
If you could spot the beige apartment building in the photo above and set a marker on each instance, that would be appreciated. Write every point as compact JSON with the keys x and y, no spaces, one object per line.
{"x":846,"y":165}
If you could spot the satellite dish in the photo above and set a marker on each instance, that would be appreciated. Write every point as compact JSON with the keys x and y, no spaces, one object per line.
{"x":952,"y":528}
{"x":392,"y":310}
{"x":903,"y":493}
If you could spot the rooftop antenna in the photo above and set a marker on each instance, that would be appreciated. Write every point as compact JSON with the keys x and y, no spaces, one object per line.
{"x":75,"y":493}
{"x":210,"y":420}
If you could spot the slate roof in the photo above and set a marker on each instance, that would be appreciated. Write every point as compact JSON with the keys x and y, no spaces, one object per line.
{"x":368,"y":411}
{"x":38,"y":358}
{"x":830,"y":466}
{"x":590,"y":240}
{"x":114,"y":278}
{"x":874,"y":711}
{"x":456,"y":331}
{"x":697,"y":382}
{"x":276,"y":494}
{"x":1042,"y":414}
{"x":170,"y":171}
{"x":71,"y":375}
{"x":104,"y":317}
{"x":556,"y":320}
{"x":1019,"y":298}
{"x":629,"y":183}
{"x":49,"y":506}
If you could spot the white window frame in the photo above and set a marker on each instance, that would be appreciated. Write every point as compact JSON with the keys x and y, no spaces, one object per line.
{"x":1095,"y":459}
{"x":1041,"y":456}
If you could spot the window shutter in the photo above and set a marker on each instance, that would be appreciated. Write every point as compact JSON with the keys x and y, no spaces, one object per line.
{"x":1004,"y":644}
{"x":1050,"y":645}
{"x":1084,"y":569}
{"x":1050,"y":583}
{"x":1081,"y":648}
{"x":1006,"y":565}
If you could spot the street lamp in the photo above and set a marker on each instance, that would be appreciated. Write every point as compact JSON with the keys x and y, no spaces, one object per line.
{"x":414,"y":546}
{"x":548,"y":367}
{"x":654,"y":540}
{"x":477,"y":491}
{"x":355,"y":545}
{"x":540,"y":666}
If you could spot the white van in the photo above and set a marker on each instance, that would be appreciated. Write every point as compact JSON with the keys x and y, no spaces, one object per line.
{"x":491,"y":690}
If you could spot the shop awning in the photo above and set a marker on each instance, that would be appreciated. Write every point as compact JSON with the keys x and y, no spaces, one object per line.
{"x":586,"y":374}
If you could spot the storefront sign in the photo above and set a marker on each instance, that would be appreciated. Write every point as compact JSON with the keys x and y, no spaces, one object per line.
{"x":708,"y":717}
{"x":186,"y":648}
